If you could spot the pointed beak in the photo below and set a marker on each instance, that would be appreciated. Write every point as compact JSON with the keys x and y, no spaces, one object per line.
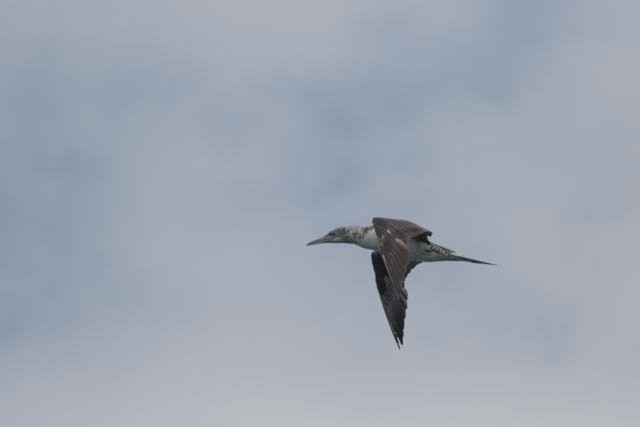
{"x":323,"y":239}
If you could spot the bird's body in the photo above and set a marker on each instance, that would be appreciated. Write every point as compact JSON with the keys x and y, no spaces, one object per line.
{"x":398,"y":246}
{"x":419,"y":250}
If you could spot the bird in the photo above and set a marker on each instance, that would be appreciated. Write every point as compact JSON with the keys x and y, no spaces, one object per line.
{"x":397,"y":246}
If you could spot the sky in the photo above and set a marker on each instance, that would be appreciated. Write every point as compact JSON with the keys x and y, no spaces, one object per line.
{"x":163,"y":165}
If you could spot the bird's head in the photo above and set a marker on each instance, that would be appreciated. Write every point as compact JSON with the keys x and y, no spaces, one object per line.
{"x":338,"y":235}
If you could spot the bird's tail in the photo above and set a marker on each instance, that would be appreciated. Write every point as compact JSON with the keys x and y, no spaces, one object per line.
{"x":475,"y":261}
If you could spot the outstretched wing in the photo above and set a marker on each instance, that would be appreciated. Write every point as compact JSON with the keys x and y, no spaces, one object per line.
{"x":393,"y":235}
{"x":400,"y":227}
{"x":392,"y":265}
{"x":394,"y":300}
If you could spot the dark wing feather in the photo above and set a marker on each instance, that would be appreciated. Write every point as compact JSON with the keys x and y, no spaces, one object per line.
{"x":394,"y":300}
{"x":393,"y":235}
{"x":401,"y":227}
{"x":392,"y":265}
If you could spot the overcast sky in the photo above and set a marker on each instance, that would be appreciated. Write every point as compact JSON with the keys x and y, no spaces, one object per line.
{"x":162,"y":165}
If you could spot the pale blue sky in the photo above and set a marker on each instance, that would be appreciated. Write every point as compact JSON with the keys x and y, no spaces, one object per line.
{"x":163,"y":165}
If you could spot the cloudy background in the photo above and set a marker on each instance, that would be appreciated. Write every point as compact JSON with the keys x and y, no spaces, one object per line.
{"x":162,"y":166}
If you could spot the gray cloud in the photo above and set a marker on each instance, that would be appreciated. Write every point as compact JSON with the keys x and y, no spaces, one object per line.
{"x":162,"y":167}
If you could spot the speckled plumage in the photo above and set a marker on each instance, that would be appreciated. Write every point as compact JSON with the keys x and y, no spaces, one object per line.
{"x":398,"y":246}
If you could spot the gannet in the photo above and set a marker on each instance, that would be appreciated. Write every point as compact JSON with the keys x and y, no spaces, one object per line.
{"x":398,"y":246}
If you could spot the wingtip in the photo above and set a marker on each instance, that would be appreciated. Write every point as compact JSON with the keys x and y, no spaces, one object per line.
{"x":399,"y":341}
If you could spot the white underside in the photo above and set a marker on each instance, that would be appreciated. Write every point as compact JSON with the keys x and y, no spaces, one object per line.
{"x":370,"y":241}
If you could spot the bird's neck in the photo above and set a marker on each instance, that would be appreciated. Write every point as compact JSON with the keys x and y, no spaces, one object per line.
{"x":365,"y":237}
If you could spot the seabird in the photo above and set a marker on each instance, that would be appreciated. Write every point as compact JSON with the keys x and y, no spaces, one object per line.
{"x":398,"y":246}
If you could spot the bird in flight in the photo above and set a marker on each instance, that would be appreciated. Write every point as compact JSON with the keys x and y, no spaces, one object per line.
{"x":398,"y":246}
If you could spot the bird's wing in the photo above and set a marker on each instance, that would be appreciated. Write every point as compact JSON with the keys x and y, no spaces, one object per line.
{"x":391,"y":265}
{"x":393,"y":235}
{"x":401,"y":226}
{"x":394,"y":300}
